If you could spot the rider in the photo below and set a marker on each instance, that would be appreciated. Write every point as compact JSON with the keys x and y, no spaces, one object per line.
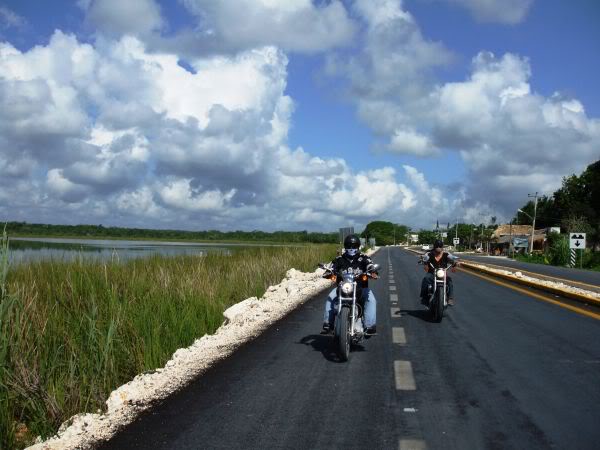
{"x":438,"y":258}
{"x":352,"y":257}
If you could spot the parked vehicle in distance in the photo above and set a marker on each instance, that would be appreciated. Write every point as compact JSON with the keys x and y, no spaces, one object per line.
{"x":426,"y":247}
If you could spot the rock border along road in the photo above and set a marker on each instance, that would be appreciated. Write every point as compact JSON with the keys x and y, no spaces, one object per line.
{"x":244,"y":321}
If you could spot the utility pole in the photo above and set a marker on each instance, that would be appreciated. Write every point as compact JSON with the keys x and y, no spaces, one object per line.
{"x":533,"y":226}
{"x":510,"y":242}
{"x":471,"y":237}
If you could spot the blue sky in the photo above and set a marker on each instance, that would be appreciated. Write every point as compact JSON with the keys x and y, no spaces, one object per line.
{"x":295,"y":114}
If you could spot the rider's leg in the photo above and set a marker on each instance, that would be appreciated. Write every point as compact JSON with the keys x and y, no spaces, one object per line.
{"x":450,"y":286}
{"x":428,"y":280}
{"x":329,"y":311}
{"x":370,"y":309}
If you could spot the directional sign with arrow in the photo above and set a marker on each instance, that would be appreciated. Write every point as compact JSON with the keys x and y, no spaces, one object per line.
{"x":577,"y":240}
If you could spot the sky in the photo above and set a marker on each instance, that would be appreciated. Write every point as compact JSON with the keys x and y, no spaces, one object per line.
{"x":292,"y":114}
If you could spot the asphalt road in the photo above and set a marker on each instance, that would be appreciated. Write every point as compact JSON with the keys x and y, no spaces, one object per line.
{"x":502,"y":370}
{"x":582,"y":275}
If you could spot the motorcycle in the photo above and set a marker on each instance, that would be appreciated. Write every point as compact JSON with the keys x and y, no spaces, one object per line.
{"x":438,"y":291}
{"x":348,"y":327}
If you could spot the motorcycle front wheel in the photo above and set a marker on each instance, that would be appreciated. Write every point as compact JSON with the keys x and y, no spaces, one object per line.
{"x":438,"y":308}
{"x":342,"y":334}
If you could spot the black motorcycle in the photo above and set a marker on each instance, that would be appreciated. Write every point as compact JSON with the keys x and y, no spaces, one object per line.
{"x":348,"y":328}
{"x":438,"y":291}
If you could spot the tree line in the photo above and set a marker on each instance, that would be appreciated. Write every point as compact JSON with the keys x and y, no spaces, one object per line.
{"x":575,"y":207}
{"x":99,"y":231}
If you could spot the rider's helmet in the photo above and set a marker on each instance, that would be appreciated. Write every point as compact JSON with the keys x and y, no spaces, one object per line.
{"x":438,"y":244}
{"x":351,"y":244}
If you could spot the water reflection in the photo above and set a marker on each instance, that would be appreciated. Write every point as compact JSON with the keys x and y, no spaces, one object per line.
{"x":31,"y":249}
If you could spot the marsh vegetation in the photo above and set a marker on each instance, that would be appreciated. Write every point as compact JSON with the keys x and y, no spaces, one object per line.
{"x":72,"y":331}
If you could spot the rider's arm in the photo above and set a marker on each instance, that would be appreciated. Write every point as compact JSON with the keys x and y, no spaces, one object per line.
{"x":454,"y":261}
{"x":452,"y":258}
{"x":425,"y":259}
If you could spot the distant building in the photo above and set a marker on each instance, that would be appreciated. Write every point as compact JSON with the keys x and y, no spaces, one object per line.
{"x":521,"y":238}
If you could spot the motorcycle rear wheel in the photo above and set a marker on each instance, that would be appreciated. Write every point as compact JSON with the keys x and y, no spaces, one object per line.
{"x":342,"y":334}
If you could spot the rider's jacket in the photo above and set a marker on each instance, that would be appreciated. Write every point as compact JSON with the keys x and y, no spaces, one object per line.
{"x":447,"y":258}
{"x":358,"y":261}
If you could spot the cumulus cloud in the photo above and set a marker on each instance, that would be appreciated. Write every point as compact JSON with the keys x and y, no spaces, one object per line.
{"x":117,"y":17}
{"x":391,"y":75}
{"x":227,"y":26}
{"x":293,"y":25}
{"x":499,"y":11}
{"x":166,"y":146}
{"x":511,"y":139}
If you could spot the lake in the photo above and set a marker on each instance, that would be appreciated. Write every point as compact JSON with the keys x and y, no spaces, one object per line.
{"x":31,"y":249}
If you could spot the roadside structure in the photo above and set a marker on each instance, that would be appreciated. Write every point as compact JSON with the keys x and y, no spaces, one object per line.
{"x":520,"y":235}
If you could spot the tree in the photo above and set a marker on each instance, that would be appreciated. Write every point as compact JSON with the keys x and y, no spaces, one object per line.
{"x":385,"y":233}
{"x":427,"y":237}
{"x":580,"y":197}
{"x":546,"y":215}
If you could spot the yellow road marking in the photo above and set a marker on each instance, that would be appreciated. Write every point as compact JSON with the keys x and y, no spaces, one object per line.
{"x":533,"y":294}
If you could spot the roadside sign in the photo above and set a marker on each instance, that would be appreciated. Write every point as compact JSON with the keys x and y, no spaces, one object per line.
{"x":456,"y":241}
{"x":577,"y":240}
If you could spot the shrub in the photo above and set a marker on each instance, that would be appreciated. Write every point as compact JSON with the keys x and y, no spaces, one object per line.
{"x":558,"y":249}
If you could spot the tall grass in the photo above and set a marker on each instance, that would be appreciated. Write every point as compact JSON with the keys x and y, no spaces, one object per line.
{"x":71,"y":332}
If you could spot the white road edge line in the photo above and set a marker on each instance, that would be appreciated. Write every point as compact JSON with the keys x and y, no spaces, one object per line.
{"x":403,"y":374}
{"x":392,"y":287}
{"x":398,"y":335}
{"x":393,"y":297}
{"x":395,"y":312}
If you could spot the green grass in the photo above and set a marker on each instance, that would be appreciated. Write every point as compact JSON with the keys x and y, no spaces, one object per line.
{"x":71,"y":332}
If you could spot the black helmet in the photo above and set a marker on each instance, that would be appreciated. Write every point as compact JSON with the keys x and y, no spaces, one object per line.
{"x":438,"y":244}
{"x":352,"y":241}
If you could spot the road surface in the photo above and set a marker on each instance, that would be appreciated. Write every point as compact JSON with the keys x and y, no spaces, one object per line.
{"x":503,"y":370}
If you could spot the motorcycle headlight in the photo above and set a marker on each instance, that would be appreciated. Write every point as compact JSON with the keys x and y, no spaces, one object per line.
{"x":347,"y":288}
{"x":439,"y":273}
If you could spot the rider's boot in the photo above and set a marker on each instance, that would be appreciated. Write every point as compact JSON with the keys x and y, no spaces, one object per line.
{"x":371,"y":331}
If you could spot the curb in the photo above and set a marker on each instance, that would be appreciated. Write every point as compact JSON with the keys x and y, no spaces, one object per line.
{"x":540,"y":286}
